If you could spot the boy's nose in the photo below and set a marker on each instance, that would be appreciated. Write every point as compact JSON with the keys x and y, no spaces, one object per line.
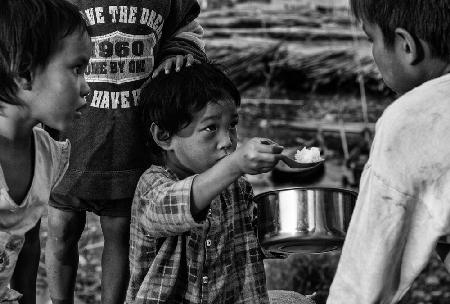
{"x":226,"y":141}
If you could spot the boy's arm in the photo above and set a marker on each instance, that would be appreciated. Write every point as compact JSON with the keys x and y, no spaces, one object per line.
{"x":252,"y":157}
{"x":182,"y":35}
{"x":170,"y":207}
{"x":210,"y":183}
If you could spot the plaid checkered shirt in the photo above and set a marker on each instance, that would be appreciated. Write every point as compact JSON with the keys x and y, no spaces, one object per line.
{"x":175,"y":258}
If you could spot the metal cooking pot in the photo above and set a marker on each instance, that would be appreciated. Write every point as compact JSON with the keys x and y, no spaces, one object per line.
{"x":303,"y":219}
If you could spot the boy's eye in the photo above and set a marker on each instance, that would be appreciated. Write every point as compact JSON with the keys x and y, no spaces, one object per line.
{"x":211,"y":128}
{"x":79,"y":70}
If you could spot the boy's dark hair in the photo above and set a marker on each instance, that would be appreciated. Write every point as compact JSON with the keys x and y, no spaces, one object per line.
{"x":425,"y":19}
{"x":30,"y":33}
{"x":171,"y":100}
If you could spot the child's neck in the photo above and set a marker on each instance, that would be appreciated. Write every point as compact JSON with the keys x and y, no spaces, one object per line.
{"x":435,"y":69}
{"x":17,"y":163}
{"x":172,"y":163}
{"x":15,"y":140}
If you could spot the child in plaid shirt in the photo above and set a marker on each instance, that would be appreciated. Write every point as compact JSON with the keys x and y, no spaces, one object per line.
{"x":192,"y":238}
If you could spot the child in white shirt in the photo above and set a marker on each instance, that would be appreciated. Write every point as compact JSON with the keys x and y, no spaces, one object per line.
{"x":403,"y":207}
{"x":44,"y":50}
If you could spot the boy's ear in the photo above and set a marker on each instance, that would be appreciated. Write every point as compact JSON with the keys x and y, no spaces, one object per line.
{"x":160,"y":136}
{"x":410,"y":46}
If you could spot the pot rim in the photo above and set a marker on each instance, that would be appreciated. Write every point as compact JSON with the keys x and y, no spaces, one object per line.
{"x":326,"y":188}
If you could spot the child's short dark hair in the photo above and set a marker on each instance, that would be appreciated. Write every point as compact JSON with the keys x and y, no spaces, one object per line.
{"x":425,"y":19}
{"x":30,"y":32}
{"x":171,"y":100}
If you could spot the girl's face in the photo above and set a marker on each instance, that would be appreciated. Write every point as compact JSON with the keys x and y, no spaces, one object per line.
{"x":207,"y":139}
{"x":58,"y":89}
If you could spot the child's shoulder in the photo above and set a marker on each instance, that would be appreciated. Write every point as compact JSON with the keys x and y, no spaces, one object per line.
{"x":155,"y":175}
{"x":410,"y":129}
{"x":420,"y":105}
{"x":155,"y":171}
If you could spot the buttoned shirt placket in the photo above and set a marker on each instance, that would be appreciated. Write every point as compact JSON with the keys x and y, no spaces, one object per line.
{"x":205,"y":278}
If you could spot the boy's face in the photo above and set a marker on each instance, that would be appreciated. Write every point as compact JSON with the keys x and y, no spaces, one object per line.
{"x":389,"y":60}
{"x":207,"y":139}
{"x":58,"y":88}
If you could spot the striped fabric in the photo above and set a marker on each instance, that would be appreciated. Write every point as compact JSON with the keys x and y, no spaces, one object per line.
{"x":175,"y":258}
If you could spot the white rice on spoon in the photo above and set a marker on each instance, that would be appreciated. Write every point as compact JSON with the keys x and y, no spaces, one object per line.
{"x":306,"y":155}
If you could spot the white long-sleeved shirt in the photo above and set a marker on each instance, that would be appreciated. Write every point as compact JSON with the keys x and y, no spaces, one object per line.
{"x":403,"y":205}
